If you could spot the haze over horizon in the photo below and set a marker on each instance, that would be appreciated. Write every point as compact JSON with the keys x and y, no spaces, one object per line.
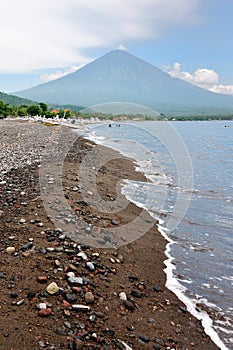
{"x":188,"y":39}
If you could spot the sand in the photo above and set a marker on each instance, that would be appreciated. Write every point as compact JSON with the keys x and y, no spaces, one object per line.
{"x":54,"y":235}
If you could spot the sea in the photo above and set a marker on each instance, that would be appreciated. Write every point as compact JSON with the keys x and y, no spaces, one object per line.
{"x":189,"y":167}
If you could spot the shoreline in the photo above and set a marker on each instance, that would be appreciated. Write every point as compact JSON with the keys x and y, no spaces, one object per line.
{"x":151,"y":317}
{"x":172,"y":283}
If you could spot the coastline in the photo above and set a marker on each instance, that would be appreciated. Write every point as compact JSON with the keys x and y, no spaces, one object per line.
{"x":151,"y":318}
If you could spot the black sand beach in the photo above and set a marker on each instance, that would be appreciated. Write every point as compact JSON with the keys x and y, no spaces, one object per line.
{"x":60,"y":293}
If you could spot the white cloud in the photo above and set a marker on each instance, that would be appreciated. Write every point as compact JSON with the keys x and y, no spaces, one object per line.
{"x":203,"y":77}
{"x":56,"y":33}
{"x":59,"y":74}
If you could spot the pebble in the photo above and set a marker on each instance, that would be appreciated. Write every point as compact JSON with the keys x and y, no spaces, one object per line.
{"x":14,"y":295}
{"x":90,"y":266}
{"x":144,"y":338}
{"x":75,"y":280}
{"x":89,"y":298}
{"x":10,"y":250}
{"x":70,"y":297}
{"x":132,"y":278}
{"x":82,"y":255}
{"x":52,"y":288}
{"x":45,"y":312}
{"x":42,"y":279}
{"x":123,"y":296}
{"x":136,"y":294}
{"x":42,"y":306}
{"x":156,"y":289}
{"x":42,"y":250}
{"x":129,"y":305}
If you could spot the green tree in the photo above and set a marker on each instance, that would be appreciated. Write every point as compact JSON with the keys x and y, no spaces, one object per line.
{"x":44,"y":107}
{"x":34,"y":110}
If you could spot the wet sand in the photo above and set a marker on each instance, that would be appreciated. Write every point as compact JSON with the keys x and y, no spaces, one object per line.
{"x":91,"y":256}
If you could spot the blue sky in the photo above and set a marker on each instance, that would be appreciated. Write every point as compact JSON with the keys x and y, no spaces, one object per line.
{"x":189,"y":39}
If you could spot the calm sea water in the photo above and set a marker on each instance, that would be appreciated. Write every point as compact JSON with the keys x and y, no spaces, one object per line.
{"x":190,"y":166}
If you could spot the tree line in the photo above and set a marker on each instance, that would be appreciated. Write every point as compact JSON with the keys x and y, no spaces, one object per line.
{"x":40,"y":109}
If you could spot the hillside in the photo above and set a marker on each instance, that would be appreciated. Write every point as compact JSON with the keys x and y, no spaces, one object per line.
{"x":121,"y":77}
{"x":14,"y":100}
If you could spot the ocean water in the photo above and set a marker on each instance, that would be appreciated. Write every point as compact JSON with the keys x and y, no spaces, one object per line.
{"x":190,"y":169}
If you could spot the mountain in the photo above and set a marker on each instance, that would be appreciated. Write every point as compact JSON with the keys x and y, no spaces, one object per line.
{"x":119,"y":76}
{"x":14,"y":100}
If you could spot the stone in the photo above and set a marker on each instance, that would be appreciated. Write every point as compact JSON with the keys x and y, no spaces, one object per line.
{"x":52,"y":288}
{"x":136,"y":294}
{"x":132,"y":278}
{"x":82,"y":255}
{"x":45,"y":312}
{"x":144,"y":338}
{"x":89,"y":298}
{"x":14,"y":295}
{"x":10,"y":250}
{"x":42,"y":250}
{"x":129,"y":305}
{"x":75,"y":280}
{"x":42,"y":306}
{"x":90,"y":266}
{"x":123,"y":296}
{"x":156,"y":289}
{"x":42,"y":279}
{"x":70,"y":297}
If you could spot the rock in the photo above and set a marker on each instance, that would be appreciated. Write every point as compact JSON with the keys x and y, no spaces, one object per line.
{"x":110,"y":332}
{"x":14,"y":295}
{"x":67,"y":325}
{"x":75,"y":280}
{"x":45,"y":312}
{"x":136,"y":294}
{"x":42,"y":250}
{"x":22,"y":221}
{"x":82,"y":255}
{"x":42,"y":306}
{"x":10,"y":250}
{"x":89,"y":298}
{"x":144,"y":338}
{"x":115,"y":222}
{"x":123,"y":296}
{"x":31,"y":295}
{"x":90,"y":266}
{"x":132,"y":278}
{"x":52,"y":288}
{"x":75,"y":344}
{"x":156,"y":289}
{"x":129,"y":305}
{"x":42,"y":279}
{"x":70,"y":297}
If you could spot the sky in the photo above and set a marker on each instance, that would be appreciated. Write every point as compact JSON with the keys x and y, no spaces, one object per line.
{"x":43,"y":40}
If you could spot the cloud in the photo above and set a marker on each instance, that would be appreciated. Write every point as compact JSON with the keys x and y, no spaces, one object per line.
{"x":59,"y":73}
{"x":203,"y":77}
{"x":57,"y":33}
